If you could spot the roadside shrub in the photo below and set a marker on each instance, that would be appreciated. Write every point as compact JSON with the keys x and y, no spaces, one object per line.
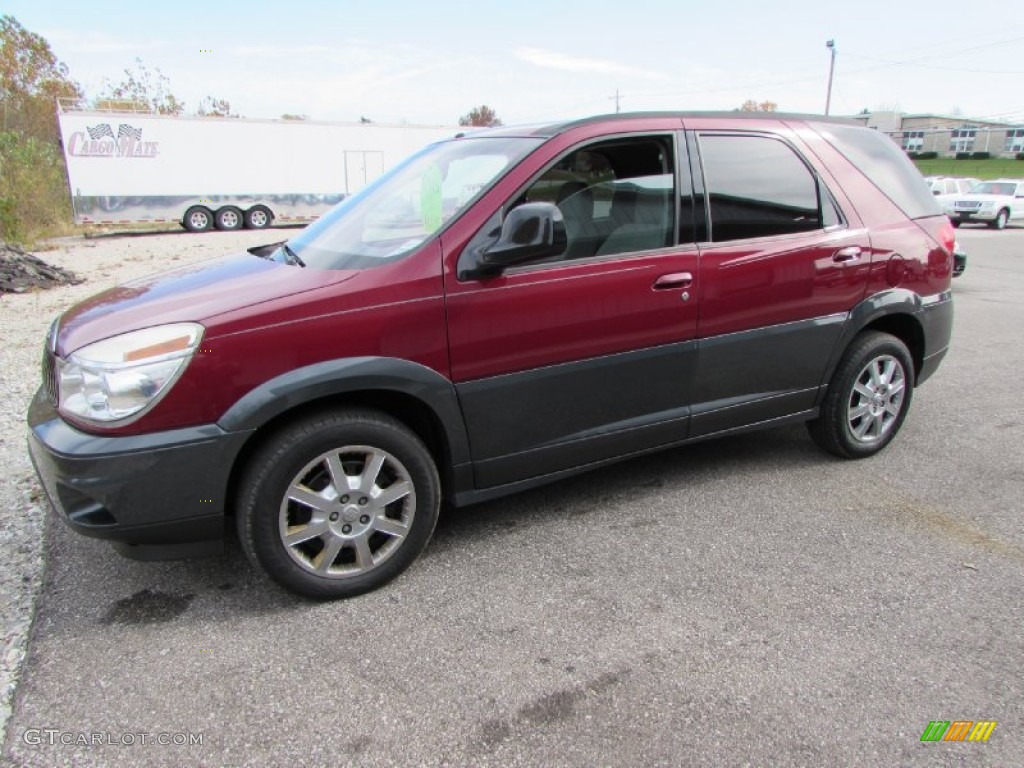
{"x":1020,"y":155}
{"x":927,"y":155}
{"x":980,"y":155}
{"x":963,"y":155}
{"x":33,"y":194}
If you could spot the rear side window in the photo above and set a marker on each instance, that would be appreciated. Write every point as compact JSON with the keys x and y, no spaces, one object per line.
{"x":757,"y":187}
{"x":886,"y":166}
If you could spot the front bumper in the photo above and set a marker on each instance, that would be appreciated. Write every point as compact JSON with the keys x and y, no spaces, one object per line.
{"x":978,"y":215}
{"x":155,"y":496}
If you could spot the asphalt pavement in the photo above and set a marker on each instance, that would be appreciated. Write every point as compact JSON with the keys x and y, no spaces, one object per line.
{"x":749,"y":601}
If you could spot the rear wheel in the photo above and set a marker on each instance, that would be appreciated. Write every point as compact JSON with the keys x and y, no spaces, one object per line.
{"x":1000,"y":220}
{"x":228,"y":218}
{"x":867,"y":399}
{"x":258,"y":218}
{"x":197,"y":219}
{"x":338,"y":503}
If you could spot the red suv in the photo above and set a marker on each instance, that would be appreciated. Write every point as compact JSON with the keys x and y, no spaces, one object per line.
{"x":502,"y":310}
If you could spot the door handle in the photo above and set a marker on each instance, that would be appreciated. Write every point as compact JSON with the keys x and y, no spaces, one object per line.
{"x":850,"y":253}
{"x":675,"y":280}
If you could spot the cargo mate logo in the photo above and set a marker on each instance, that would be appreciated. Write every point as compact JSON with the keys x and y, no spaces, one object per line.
{"x":100,"y":141}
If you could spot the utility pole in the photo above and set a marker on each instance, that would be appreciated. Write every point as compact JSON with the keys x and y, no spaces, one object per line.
{"x":616,"y":99}
{"x":831,"y":45}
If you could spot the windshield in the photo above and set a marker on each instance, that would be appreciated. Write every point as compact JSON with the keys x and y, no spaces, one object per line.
{"x":994,"y":188}
{"x":399,"y":211}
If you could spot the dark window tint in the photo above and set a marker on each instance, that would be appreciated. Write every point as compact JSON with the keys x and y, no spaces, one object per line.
{"x":757,"y":186}
{"x":877,"y":157}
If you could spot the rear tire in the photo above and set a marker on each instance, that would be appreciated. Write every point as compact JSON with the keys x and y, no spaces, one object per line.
{"x":258,"y":217}
{"x":338,"y":503}
{"x":867,"y":399}
{"x":197,"y":219}
{"x":228,"y":219}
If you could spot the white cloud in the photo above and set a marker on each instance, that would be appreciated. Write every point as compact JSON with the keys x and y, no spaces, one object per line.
{"x":567,"y":63}
{"x":73,"y":41}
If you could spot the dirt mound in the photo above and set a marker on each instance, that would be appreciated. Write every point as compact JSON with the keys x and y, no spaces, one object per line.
{"x":21,"y":271}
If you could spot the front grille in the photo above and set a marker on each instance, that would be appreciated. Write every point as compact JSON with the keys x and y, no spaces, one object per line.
{"x":966,"y":205}
{"x":50,"y":377}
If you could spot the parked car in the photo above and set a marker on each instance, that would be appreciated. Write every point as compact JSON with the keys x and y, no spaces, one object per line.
{"x":959,"y":259}
{"x":945,"y":188}
{"x":459,"y":331}
{"x":995,"y":203}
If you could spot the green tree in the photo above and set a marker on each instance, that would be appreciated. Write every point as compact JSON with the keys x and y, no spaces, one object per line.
{"x":482,"y":116}
{"x":142,"y":90}
{"x":33,"y":192}
{"x":212,"y":107}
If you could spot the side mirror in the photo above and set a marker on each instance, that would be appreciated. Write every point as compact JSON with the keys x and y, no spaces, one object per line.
{"x":530,"y":231}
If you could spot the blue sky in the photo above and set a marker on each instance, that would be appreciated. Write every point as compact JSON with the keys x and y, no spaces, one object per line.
{"x":429,"y":62}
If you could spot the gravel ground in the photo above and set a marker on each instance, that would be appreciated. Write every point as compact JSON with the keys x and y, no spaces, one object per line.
{"x":24,"y":318}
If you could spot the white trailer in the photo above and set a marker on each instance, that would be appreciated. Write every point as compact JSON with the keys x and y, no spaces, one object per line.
{"x":223,"y":172}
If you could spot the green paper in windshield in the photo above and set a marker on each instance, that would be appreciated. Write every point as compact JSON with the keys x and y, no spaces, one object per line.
{"x":430,"y":198}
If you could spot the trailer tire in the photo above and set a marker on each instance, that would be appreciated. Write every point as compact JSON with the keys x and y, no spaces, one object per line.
{"x":197,"y":219}
{"x":258,"y":217}
{"x":228,"y":218}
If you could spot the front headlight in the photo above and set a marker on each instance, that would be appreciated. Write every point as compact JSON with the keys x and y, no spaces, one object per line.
{"x":988,"y":205}
{"x":123,"y":375}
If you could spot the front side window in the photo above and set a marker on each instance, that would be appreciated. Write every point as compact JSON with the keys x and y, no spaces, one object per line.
{"x":401,"y":210}
{"x":758,"y":186}
{"x":616,"y":196}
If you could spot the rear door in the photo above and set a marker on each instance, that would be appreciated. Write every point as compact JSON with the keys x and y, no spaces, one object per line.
{"x":589,"y":355}
{"x":782,"y":265}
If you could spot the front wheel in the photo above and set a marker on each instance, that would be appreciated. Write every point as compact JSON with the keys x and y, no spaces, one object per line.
{"x":1000,"y":220}
{"x":258,"y":218}
{"x":338,"y":503}
{"x":867,"y":399}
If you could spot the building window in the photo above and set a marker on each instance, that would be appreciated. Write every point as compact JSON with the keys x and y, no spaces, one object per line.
{"x":913,"y":141}
{"x":1014,"y":140}
{"x":962,"y":139}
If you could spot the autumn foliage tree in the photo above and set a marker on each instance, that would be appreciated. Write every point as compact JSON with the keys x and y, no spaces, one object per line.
{"x":141,"y":90}
{"x":482,"y":117}
{"x":754,"y":106}
{"x":33,"y":194}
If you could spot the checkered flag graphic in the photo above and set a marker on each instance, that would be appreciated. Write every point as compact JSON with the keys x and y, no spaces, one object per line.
{"x":99,"y":131}
{"x":126,"y":130}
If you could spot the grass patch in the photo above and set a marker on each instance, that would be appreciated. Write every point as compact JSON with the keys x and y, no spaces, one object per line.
{"x":993,"y":168}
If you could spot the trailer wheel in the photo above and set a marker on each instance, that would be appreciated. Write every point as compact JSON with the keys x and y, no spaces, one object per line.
{"x":258,"y":217}
{"x":197,"y":219}
{"x":228,"y":218}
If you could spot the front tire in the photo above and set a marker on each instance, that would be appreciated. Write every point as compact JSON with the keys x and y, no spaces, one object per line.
{"x":338,"y":503}
{"x":1000,"y":220}
{"x":867,"y":399}
{"x":258,"y":217}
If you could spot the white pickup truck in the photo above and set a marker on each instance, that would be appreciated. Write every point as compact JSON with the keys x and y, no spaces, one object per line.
{"x":995,"y":203}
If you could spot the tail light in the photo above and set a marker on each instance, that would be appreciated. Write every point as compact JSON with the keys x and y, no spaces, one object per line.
{"x":941,"y":230}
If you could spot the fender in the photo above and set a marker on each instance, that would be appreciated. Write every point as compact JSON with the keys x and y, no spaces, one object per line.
{"x":932,"y":314}
{"x":353,"y":374}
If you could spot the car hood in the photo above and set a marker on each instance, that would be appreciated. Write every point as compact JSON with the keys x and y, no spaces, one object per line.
{"x":194,"y":293}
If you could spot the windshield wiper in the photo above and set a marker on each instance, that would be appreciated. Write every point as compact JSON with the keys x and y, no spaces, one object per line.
{"x":290,"y":256}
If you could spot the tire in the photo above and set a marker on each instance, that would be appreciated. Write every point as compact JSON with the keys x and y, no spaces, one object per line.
{"x":228,"y":218}
{"x":258,"y":217}
{"x":197,"y":219}
{"x":867,"y":399}
{"x":1000,"y":220}
{"x":956,"y":223}
{"x":290,"y":489}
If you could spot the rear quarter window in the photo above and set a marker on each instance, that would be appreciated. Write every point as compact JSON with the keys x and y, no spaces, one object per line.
{"x":876,"y":156}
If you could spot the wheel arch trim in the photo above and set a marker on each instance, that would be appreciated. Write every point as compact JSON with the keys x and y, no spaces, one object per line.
{"x":892,"y":303}
{"x":332,"y":378}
